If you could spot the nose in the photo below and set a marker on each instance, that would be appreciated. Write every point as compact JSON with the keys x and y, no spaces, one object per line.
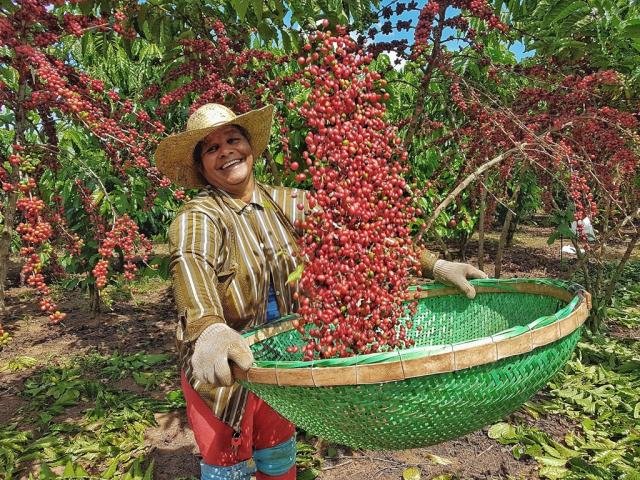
{"x":225,"y":150}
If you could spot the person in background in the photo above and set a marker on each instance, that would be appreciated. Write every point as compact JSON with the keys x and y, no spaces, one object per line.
{"x":232,"y":249}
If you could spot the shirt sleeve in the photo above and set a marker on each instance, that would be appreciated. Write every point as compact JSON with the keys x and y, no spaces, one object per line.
{"x":195,"y":242}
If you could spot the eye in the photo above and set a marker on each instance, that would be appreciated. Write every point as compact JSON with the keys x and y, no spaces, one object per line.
{"x":212,"y":148}
{"x":233,"y":140}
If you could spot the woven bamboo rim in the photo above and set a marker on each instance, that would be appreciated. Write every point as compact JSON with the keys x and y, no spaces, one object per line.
{"x":441,"y":359}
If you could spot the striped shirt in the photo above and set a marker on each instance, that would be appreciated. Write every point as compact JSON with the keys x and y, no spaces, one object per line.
{"x":224,"y":255}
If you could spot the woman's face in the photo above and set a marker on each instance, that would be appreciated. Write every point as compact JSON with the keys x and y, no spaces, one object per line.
{"x":227,"y":161}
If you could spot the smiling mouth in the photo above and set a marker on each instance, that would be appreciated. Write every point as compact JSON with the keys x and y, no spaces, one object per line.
{"x":231,"y":163}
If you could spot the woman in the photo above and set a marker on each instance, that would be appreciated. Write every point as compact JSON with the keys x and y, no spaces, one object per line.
{"x":232,"y":248}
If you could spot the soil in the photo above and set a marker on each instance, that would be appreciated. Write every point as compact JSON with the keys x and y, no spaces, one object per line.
{"x":474,"y":456}
{"x":146,"y":323}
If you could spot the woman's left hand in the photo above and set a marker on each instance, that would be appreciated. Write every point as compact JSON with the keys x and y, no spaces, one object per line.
{"x":456,"y":274}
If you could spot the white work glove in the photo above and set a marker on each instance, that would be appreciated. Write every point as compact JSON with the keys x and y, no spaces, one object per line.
{"x":215,"y":347}
{"x":455,"y":274}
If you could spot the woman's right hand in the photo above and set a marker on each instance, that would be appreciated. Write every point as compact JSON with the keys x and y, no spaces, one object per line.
{"x":215,"y":347}
{"x":456,"y":275}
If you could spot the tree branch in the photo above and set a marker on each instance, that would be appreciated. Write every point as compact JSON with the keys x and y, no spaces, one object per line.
{"x":472,"y":177}
{"x":426,"y":79}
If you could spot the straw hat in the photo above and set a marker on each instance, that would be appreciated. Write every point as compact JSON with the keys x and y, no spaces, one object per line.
{"x":174,"y":155}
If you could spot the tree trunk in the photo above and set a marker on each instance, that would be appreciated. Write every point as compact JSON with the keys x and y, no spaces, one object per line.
{"x":482,"y":210}
{"x":9,"y":208}
{"x":503,"y":236}
{"x":464,"y":242}
{"x":94,"y":299}
{"x":603,"y":248}
{"x":425,"y":82}
{"x":8,"y":213}
{"x":443,"y":246}
{"x":512,"y":228}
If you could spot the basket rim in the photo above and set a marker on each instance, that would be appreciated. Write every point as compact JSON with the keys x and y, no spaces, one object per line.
{"x":433,"y":359}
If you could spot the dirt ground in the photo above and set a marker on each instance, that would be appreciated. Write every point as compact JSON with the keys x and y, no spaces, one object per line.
{"x":146,"y":324}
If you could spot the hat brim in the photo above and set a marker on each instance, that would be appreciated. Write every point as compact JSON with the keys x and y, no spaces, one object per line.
{"x":174,"y":155}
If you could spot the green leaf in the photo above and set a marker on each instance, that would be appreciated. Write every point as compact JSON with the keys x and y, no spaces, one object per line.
{"x":436,"y":459}
{"x":81,"y":472}
{"x":542,"y":8}
{"x":154,"y":358}
{"x":68,"y":398}
{"x":563,"y":9}
{"x":45,"y":472}
{"x":565,"y":452}
{"x":534,"y":451}
{"x":411,"y":473}
{"x":111,"y":471}
{"x":23,"y":362}
{"x":86,"y":8}
{"x":553,"y":473}
{"x":502,"y":431}
{"x":266,"y":32}
{"x":571,"y":49}
{"x":69,"y":471}
{"x":150,"y":29}
{"x":144,"y":379}
{"x":552,"y":461}
{"x":286,"y":40}
{"x":240,"y":6}
{"x":45,"y":417}
{"x":296,"y":274}
{"x":566,"y":231}
{"x":148,"y":473}
{"x":175,"y":396}
{"x":631,"y":28}
{"x":97,"y":196}
{"x":562,"y":231}
{"x":518,"y":451}
{"x":257,"y":6}
{"x":308,"y":474}
{"x":588,"y":425}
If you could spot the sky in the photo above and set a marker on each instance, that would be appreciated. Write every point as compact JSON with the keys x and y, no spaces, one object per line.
{"x":517,"y":48}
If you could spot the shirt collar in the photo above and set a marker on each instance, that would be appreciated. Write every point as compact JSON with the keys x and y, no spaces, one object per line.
{"x":237,"y":205}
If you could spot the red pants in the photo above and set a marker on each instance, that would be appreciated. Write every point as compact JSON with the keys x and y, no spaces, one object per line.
{"x":261,"y":427}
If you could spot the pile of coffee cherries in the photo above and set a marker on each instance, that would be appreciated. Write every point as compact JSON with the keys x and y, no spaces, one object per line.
{"x":356,"y":242}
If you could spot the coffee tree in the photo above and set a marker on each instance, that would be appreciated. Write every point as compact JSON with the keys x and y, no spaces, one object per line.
{"x":59,"y":115}
{"x":562,"y":125}
{"x":585,"y":142}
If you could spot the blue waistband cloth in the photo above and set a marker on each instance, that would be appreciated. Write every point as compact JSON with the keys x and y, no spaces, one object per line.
{"x":278,"y":459}
{"x":273,"y":313}
{"x":239,"y":471}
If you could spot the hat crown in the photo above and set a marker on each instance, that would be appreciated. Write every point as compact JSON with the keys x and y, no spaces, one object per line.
{"x":209,"y":115}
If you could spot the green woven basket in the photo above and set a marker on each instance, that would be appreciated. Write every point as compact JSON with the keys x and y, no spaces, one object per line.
{"x":474,"y":362}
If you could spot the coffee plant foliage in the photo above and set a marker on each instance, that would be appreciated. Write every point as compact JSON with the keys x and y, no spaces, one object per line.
{"x":77,"y":164}
{"x":598,"y":35}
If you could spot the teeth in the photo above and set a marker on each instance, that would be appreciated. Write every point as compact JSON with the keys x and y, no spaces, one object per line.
{"x":230,"y":163}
